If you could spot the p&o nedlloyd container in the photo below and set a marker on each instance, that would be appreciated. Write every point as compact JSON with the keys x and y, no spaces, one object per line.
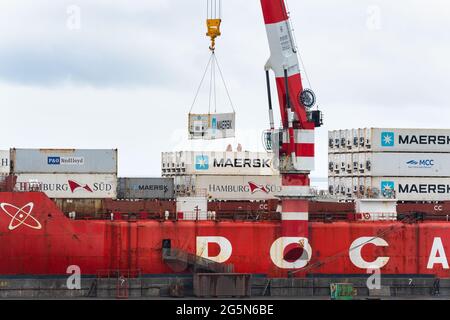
{"x":64,"y":161}
{"x":70,"y":186}
{"x":217,"y":163}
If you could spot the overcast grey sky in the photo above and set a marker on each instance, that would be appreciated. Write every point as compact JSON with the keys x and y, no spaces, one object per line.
{"x":123,"y":73}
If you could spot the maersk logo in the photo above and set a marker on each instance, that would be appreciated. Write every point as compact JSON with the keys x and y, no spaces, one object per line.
{"x":387,"y":186}
{"x":426,"y":164}
{"x":202,"y":162}
{"x":387,"y":139}
{"x":65,"y":161}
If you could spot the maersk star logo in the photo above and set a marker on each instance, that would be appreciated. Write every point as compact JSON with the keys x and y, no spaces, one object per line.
{"x":387,"y":139}
{"x":387,"y":186}
{"x":202,"y":163}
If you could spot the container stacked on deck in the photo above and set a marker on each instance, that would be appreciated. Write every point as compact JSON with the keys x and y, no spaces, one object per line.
{"x":66,"y":173}
{"x":200,"y":177}
{"x":223,"y":175}
{"x":145,"y":188}
{"x":406,"y":164}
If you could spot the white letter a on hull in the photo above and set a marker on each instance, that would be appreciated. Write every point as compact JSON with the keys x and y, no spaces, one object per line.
{"x":437,"y":255}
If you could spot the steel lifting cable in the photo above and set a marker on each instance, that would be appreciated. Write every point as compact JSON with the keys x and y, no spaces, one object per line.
{"x":213,"y":9}
{"x":213,"y":67}
{"x":213,"y":63}
{"x":201,"y":82}
{"x":224,"y":83}
{"x":211,"y":84}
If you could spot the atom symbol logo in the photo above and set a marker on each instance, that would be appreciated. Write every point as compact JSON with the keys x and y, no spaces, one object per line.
{"x":21,"y":216}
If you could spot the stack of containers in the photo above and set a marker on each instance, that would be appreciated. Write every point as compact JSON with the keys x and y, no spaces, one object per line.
{"x":77,"y":178}
{"x":406,"y":164}
{"x":236,"y":176}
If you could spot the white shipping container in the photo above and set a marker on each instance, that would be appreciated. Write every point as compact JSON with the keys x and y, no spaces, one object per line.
{"x":218,"y":163}
{"x":331,"y":164}
{"x":342,"y":140}
{"x":72,"y":186}
{"x":348,"y":186}
{"x":342,"y":163}
{"x":239,"y":187}
{"x":355,"y":185}
{"x":348,"y":164}
{"x":410,"y":188}
{"x":362,"y":164}
{"x":407,"y":140}
{"x":349,"y":140}
{"x":337,"y":140}
{"x":355,"y":140}
{"x":355,"y":163}
{"x":409,"y":164}
{"x":4,"y":162}
{"x":331,"y":185}
{"x":362,"y":138}
{"x":212,"y":126}
{"x":331,"y":148}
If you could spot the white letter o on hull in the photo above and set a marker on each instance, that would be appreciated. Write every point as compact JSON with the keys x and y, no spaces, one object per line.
{"x":277,"y":252}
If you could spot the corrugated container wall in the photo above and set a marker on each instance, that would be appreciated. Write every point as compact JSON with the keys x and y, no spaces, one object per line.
{"x":409,"y":140}
{"x":64,"y":161}
{"x":71,"y":186}
{"x":217,"y":163}
{"x":145,"y":188}
{"x":408,"y":164}
{"x":235,"y":187}
{"x":410,"y":189}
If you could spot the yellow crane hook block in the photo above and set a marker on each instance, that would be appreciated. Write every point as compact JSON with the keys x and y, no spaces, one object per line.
{"x":213,"y":31}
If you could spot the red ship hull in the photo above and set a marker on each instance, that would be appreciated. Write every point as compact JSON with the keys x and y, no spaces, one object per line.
{"x":36,"y":238}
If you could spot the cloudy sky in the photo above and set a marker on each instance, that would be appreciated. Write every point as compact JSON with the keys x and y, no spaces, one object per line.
{"x":123,"y":73}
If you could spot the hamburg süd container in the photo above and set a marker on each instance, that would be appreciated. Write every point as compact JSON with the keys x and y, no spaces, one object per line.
{"x":238,"y":187}
{"x":101,"y":161}
{"x":4,"y":162}
{"x":71,"y":186}
{"x":145,"y":188}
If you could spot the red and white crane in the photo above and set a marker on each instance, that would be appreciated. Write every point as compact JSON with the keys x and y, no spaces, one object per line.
{"x":293,"y":143}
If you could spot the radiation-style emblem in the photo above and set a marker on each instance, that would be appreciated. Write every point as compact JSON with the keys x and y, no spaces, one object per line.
{"x":21,"y":216}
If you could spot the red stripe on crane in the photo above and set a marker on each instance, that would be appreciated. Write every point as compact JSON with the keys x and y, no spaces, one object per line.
{"x":274,"y":11}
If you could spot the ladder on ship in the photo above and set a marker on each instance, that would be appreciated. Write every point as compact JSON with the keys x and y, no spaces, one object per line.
{"x":191,"y":261}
